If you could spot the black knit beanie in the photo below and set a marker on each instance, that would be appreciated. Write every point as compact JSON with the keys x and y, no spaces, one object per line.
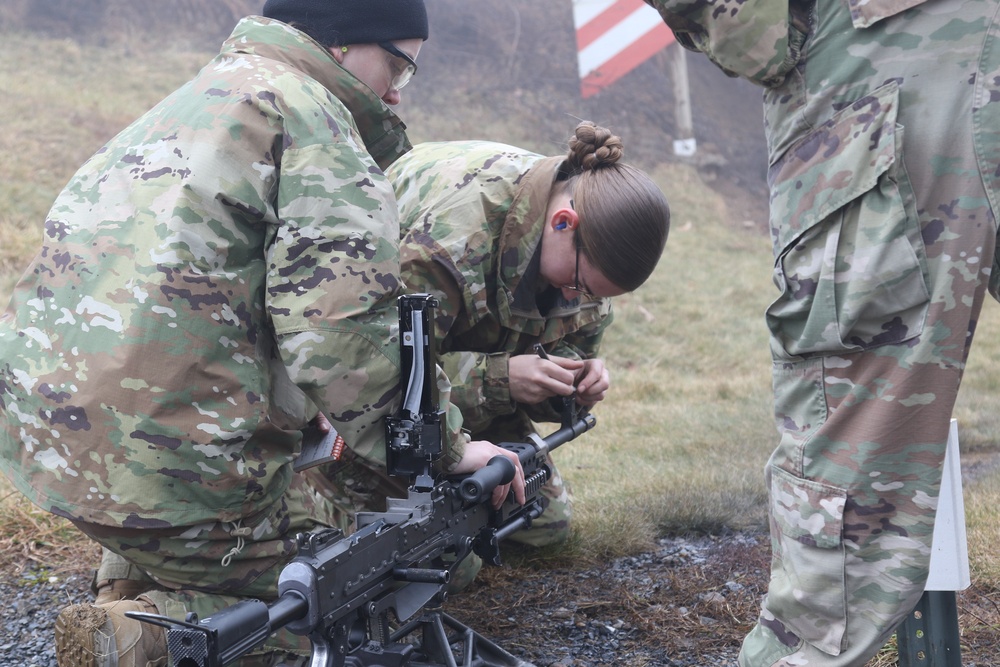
{"x":342,"y":22}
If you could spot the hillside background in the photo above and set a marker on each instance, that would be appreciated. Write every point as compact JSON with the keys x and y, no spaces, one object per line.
{"x":496,"y":70}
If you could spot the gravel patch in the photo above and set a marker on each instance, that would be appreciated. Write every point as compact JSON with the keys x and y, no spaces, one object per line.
{"x":686,"y":603}
{"x":30,"y":604}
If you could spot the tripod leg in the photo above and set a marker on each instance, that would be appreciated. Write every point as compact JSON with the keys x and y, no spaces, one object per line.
{"x":442,"y":637}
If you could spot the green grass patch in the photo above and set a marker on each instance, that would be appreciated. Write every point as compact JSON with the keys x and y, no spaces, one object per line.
{"x":684,"y":434}
{"x":32,"y":536}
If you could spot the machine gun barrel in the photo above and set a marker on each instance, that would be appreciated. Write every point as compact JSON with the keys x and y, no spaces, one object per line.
{"x":574,"y":429}
{"x":228,"y":634}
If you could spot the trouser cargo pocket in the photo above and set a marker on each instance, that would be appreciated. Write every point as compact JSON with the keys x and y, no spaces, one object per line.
{"x":807,"y":593}
{"x":849,"y":258}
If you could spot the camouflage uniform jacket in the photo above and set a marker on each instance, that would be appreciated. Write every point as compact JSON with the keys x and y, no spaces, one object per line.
{"x":761,"y":40}
{"x":222,"y":267}
{"x":472,"y":215}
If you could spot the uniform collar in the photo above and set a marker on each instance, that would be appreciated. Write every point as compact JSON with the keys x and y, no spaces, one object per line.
{"x":381,"y":129}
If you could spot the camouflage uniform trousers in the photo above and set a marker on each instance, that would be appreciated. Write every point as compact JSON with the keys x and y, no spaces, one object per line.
{"x":905,"y":256}
{"x":208,"y":567}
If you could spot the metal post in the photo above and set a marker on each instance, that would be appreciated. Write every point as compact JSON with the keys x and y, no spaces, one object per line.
{"x":929,"y":635}
{"x":685,"y":144}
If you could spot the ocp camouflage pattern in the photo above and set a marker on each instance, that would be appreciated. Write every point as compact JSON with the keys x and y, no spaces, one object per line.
{"x":883,"y":134}
{"x":471,"y":215}
{"x":760,"y":41}
{"x":219,"y":270}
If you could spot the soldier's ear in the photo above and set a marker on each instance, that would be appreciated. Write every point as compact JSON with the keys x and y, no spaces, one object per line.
{"x":564,"y":218}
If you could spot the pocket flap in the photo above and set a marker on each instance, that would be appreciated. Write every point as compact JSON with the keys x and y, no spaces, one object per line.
{"x":807,"y":593}
{"x":835,"y":163}
{"x":807,"y":512}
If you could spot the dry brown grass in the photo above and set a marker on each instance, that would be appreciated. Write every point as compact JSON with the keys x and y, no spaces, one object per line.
{"x":670,"y":608}
{"x":32,"y":539}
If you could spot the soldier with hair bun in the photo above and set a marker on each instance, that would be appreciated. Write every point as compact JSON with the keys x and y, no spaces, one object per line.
{"x":522,"y":249}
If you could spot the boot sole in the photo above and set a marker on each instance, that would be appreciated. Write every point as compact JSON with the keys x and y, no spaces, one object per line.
{"x":85,"y":638}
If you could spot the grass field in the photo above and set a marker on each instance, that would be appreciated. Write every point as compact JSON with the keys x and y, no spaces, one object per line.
{"x":684,"y":435}
{"x":687,"y":352}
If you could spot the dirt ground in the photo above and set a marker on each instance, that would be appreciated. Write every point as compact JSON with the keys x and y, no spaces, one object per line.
{"x":688,"y":603}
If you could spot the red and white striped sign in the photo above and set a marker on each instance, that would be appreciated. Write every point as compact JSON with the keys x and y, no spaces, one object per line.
{"x":613,"y":37}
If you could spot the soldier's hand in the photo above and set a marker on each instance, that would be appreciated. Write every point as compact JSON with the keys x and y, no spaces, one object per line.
{"x":478,"y":453}
{"x":533,"y":379}
{"x":321,"y":423}
{"x":593,"y":383}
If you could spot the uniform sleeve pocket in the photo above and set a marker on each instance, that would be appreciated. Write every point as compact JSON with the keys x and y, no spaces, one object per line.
{"x":760,"y":41}
{"x":850,"y":261}
{"x":807,"y":590}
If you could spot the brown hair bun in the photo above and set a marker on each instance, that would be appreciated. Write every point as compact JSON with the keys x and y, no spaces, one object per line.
{"x":594,"y":147}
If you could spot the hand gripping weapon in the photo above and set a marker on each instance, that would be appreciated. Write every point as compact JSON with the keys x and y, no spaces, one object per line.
{"x":372,"y":598}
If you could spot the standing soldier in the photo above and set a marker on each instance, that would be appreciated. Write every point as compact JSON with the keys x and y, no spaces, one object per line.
{"x":883,"y":127}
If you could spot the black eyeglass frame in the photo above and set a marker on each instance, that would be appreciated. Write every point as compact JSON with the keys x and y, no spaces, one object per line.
{"x":576,"y":275}
{"x":408,"y":71}
{"x":577,"y":287}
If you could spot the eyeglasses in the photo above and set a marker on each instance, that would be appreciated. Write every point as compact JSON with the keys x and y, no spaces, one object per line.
{"x":402,"y":77}
{"x":577,"y":287}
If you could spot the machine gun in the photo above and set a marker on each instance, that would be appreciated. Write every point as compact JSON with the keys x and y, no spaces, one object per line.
{"x":373,"y":598}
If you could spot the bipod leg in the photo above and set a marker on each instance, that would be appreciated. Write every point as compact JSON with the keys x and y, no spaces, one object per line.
{"x":481,"y":651}
{"x":444,"y":640}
